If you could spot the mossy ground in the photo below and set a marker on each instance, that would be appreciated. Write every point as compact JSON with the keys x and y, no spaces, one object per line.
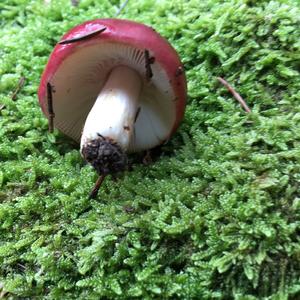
{"x":216,"y":216}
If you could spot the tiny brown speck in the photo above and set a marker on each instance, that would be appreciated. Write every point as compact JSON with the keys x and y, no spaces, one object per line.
{"x":179,"y":71}
{"x":128,"y":209}
{"x":126,"y":128}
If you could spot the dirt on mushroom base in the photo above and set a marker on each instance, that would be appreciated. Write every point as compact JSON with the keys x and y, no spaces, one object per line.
{"x":215,"y":217}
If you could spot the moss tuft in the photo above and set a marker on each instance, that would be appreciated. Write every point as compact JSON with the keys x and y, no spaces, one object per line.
{"x":215,"y":217}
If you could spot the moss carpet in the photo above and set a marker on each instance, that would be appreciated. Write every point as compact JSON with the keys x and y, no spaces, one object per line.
{"x":215,"y":216}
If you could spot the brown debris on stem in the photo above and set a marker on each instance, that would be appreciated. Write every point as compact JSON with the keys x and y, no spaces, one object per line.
{"x":94,"y":192}
{"x":104,"y":155}
{"x":235,"y":94}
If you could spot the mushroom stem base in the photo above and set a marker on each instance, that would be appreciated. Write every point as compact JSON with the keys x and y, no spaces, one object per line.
{"x":105,"y":155}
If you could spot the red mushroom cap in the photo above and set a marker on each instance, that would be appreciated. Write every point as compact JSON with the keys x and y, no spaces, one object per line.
{"x":81,"y":61}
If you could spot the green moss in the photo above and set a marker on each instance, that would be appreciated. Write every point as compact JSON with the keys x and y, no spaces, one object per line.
{"x":215,"y":217}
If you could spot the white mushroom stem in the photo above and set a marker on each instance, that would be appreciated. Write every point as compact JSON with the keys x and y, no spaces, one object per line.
{"x":113,"y":114}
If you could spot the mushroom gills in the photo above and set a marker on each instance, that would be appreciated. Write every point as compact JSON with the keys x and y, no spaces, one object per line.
{"x":82,"y":76}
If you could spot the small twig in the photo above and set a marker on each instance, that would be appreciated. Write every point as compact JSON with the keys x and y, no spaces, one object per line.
{"x":18,"y":88}
{"x":21,"y":266}
{"x":235,"y":94}
{"x":51,"y":114}
{"x":121,"y":8}
{"x":96,"y":187}
{"x":82,"y":37}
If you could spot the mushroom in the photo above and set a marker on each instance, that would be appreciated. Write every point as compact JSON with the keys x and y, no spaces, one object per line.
{"x":115,"y":86}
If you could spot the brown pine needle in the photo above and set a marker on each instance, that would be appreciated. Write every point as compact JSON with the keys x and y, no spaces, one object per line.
{"x":235,"y":94}
{"x":18,"y":88}
{"x":15,"y":93}
{"x":51,"y":113}
{"x":96,"y":187}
